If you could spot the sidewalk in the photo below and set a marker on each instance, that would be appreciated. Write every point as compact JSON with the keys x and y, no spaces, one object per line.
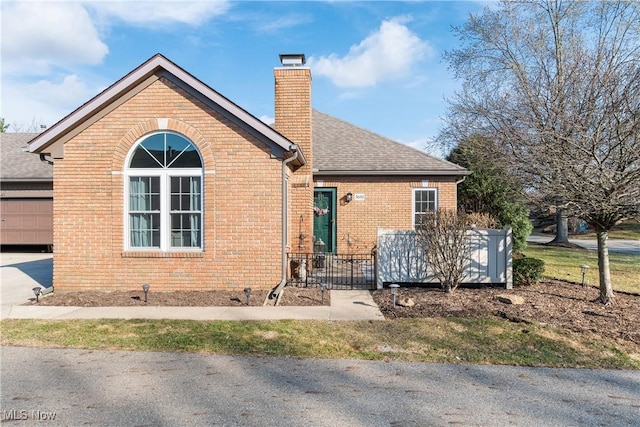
{"x":22,"y":272}
{"x":345,"y":305}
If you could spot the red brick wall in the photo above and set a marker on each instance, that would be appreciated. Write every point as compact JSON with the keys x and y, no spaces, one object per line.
{"x":387,"y":203}
{"x":293,"y":120}
{"x":242,"y":193}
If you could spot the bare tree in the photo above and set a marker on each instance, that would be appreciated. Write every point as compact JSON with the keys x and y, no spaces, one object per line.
{"x":557,"y":85}
{"x":444,"y":240}
{"x":35,"y":126}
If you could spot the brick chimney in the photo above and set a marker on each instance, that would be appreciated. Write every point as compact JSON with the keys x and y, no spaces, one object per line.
{"x":293,"y":104}
{"x":293,"y":120}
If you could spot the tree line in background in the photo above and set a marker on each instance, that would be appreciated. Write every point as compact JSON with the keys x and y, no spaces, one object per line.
{"x":33,"y":127}
{"x":550,"y":99}
{"x":491,"y":189}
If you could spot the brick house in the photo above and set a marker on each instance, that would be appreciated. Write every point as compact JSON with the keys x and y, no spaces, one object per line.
{"x":160,"y":179}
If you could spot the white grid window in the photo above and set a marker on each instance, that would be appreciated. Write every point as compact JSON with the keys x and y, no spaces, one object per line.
{"x":164,"y":196}
{"x":424,"y":200}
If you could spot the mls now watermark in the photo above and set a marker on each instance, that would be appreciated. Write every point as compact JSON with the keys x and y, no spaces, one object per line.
{"x":33,"y":415}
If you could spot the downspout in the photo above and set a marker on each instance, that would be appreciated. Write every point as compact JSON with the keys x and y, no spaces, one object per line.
{"x":283,"y":281}
{"x":461,"y":180}
{"x":43,"y":159}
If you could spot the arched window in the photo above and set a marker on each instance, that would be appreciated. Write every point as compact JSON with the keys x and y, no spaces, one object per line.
{"x":164,"y":195}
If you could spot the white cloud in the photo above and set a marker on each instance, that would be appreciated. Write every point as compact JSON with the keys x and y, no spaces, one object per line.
{"x":44,"y":101}
{"x":69,"y":93}
{"x":280,"y":23}
{"x":387,"y":54}
{"x":46,"y":46}
{"x":267,"y":119}
{"x":38,"y":35}
{"x":160,"y":12}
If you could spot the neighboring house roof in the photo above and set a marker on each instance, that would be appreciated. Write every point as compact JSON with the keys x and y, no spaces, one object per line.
{"x":17,"y":163}
{"x":341,"y":148}
{"x":141,"y":77}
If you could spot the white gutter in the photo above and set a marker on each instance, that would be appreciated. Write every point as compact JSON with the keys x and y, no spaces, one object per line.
{"x":285,"y":223}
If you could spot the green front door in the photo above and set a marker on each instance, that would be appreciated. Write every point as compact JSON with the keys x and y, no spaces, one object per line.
{"x":324,"y":218}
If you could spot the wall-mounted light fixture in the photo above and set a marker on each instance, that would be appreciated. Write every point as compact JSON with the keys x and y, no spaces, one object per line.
{"x":348,"y":197}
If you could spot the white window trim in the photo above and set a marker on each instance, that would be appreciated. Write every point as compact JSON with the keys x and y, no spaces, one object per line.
{"x":413,"y":202}
{"x":165,"y":201}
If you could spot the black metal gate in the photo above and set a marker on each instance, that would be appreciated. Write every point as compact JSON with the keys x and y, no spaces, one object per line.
{"x":337,"y":271}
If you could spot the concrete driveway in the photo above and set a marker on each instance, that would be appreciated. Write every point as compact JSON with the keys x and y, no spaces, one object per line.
{"x":19,"y":274}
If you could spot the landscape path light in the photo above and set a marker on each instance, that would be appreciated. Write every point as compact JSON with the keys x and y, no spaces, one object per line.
{"x":394,"y":292}
{"x":584,"y":268}
{"x":323,"y":287}
{"x":36,"y":291}
{"x":145,"y":288}
{"x":247,"y":292}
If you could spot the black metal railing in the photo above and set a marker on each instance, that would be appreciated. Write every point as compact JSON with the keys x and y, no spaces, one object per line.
{"x":337,"y":271}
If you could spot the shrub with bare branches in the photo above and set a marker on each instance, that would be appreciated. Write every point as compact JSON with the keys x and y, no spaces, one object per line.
{"x":443,"y":237}
{"x":481,"y":220}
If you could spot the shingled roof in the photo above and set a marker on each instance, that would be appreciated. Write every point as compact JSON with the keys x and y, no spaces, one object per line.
{"x":341,"y":148}
{"x":16,"y":164}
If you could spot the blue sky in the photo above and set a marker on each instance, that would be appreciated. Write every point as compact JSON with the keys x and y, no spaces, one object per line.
{"x":375,"y":64}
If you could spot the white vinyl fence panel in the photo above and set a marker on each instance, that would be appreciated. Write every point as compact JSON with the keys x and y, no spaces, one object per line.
{"x":401,"y":258}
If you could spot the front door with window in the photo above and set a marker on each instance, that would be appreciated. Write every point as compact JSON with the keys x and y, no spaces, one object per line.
{"x":324,"y":218}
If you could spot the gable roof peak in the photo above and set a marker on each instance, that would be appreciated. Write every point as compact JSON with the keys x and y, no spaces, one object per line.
{"x":153,"y":68}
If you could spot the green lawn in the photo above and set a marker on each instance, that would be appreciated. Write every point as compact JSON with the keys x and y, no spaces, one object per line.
{"x":450,"y":340}
{"x":442,"y":340}
{"x":564,"y":264}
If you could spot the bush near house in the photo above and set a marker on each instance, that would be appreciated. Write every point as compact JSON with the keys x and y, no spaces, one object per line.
{"x":527,"y":271}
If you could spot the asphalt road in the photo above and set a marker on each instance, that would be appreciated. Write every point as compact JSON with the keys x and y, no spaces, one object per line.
{"x":631,"y":247}
{"x":117,"y":388}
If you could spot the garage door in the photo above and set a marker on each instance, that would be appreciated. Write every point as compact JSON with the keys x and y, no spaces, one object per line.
{"x":26,"y":221}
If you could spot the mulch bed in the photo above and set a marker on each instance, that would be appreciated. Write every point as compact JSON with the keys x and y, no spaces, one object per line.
{"x":292,"y":296}
{"x":553,"y":302}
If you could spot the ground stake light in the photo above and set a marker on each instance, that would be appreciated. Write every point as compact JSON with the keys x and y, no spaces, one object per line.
{"x":145,"y":288}
{"x":394,"y":292}
{"x":247,"y":292}
{"x":584,"y":268}
{"x":36,"y":291}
